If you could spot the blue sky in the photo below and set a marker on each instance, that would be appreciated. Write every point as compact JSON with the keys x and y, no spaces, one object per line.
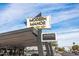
{"x":64,"y":22}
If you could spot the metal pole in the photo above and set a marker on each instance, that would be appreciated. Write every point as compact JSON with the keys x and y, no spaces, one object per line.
{"x":40,"y":47}
{"x":51,"y":50}
{"x":47,"y":49}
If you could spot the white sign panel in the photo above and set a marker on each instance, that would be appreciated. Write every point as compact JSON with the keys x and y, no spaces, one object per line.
{"x":39,"y":22}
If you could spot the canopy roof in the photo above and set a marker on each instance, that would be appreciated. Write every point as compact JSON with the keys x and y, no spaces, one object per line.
{"x":19,"y":38}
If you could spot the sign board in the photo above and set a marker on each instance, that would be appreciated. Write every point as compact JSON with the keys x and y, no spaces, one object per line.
{"x":39,"y":22}
{"x":48,"y":37}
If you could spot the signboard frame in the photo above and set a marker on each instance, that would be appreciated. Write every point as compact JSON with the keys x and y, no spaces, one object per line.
{"x":45,"y":23}
{"x":48,"y":39}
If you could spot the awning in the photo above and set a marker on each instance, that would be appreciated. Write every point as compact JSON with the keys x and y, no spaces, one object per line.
{"x":19,"y":38}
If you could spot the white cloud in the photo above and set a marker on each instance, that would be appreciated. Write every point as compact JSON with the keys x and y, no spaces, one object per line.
{"x":65,"y":15}
{"x":67,"y":38}
{"x":72,"y":35}
{"x":15,"y":12}
{"x":17,"y":27}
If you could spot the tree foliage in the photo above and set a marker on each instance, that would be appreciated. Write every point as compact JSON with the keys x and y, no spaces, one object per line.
{"x":61,"y":49}
{"x":75,"y":47}
{"x":54,"y":43}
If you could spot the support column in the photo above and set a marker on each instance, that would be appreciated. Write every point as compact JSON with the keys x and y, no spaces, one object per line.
{"x":51,"y":50}
{"x":47,"y":49}
{"x":39,"y":43}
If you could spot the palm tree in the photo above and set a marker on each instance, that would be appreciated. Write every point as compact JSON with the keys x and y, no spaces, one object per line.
{"x":73,"y":43}
{"x":75,"y":48}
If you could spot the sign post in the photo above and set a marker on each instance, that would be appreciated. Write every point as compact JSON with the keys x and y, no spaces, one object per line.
{"x":51,"y":50}
{"x":39,"y":22}
{"x":48,"y":38}
{"x":39,"y":43}
{"x":40,"y":47}
{"x":47,"y":49}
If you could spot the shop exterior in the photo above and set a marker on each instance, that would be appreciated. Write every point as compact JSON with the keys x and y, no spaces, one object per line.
{"x":16,"y":41}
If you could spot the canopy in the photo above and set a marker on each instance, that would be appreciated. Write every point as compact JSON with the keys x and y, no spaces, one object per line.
{"x":19,"y":38}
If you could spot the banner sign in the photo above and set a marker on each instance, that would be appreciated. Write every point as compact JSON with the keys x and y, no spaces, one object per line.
{"x":39,"y":22}
{"x":48,"y":37}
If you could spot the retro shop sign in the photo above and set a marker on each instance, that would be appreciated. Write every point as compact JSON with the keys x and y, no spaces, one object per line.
{"x":39,"y":22}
